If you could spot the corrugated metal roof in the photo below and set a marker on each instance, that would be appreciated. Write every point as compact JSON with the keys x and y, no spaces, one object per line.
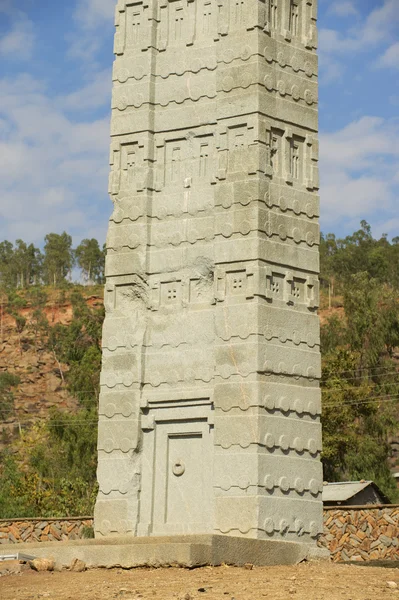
{"x":341,"y":491}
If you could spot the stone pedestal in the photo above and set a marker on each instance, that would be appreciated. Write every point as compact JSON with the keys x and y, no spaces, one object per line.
{"x":183,"y":551}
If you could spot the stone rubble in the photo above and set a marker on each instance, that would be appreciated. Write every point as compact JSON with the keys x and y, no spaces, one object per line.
{"x":361,"y":534}
{"x":52,"y":530}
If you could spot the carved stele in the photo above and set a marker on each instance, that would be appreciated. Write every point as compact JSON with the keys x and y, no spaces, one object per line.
{"x":210,"y":401}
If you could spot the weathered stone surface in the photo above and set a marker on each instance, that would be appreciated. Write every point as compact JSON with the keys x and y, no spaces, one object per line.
{"x":211,"y":345}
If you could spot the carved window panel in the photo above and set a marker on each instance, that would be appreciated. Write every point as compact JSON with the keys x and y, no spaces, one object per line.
{"x":171,"y":293}
{"x":176,"y":22}
{"x":275,"y":286}
{"x":313,"y":292}
{"x":238,"y":145}
{"x":115,"y":174}
{"x":296,"y":159}
{"x":204,"y":161}
{"x":206,"y":19}
{"x":163,"y":26}
{"x":159,"y":168}
{"x":175,"y":163}
{"x":204,"y":154}
{"x":131,"y":160}
{"x":120,"y":33}
{"x":238,"y":16}
{"x":131,"y":165}
{"x":309,"y":24}
{"x":297,"y":291}
{"x":294,"y":18}
{"x":134,"y":29}
{"x":174,"y":172}
{"x":236,"y":283}
{"x":275,"y":148}
{"x":273,"y":13}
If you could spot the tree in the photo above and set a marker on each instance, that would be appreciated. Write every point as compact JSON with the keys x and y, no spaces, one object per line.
{"x":90,"y":258}
{"x":372,"y":317}
{"x":357,"y":420}
{"x":54,"y":472}
{"x":58,"y":258}
{"x":8,"y":381}
{"x":38,"y":323}
{"x":360,"y":384}
{"x":27,"y":261}
{"x":359,"y":252}
{"x":79,"y":346}
{"x":7,"y":275}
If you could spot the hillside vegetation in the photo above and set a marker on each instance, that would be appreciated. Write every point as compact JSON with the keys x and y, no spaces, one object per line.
{"x":50,"y":357}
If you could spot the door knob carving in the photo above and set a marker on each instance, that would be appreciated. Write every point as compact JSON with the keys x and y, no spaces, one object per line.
{"x":178,"y":468}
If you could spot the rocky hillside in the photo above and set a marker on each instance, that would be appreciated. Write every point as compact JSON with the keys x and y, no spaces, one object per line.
{"x":25,"y":353}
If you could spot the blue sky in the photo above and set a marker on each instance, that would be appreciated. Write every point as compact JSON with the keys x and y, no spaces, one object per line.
{"x":55,"y":85}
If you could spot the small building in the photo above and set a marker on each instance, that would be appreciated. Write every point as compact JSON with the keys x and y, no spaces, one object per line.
{"x":353,"y":493}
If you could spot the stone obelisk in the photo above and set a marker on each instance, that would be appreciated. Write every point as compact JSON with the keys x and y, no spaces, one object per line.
{"x":210,"y":403}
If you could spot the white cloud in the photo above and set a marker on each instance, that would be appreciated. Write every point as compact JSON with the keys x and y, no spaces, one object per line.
{"x":92,"y":13}
{"x":375,"y":30}
{"x":356,"y":145}
{"x":95,"y":93}
{"x":390,"y":226}
{"x":343,"y":8}
{"x":390,"y":59}
{"x":83,"y":47}
{"x":52,"y":166}
{"x":18,"y":42}
{"x":330,"y":69}
{"x":358,"y":166}
{"x":94,"y":23}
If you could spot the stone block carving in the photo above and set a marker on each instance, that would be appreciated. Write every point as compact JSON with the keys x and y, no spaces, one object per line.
{"x":210,"y":403}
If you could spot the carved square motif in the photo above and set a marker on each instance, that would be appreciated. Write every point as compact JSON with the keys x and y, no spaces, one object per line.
{"x":237,"y":283}
{"x":298,"y":290}
{"x":277,"y":285}
{"x":171,"y":293}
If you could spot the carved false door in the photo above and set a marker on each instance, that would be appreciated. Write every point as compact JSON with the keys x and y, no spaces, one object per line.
{"x":178,"y":492}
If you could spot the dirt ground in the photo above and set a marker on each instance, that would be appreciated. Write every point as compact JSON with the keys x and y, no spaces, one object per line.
{"x":307,"y":581}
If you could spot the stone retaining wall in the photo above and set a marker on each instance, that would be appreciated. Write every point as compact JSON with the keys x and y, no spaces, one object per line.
{"x":361,"y":533}
{"x":358,"y":533}
{"x":43,"y":530}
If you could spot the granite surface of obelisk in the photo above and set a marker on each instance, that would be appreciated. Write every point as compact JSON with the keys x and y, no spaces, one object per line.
{"x":210,"y":403}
